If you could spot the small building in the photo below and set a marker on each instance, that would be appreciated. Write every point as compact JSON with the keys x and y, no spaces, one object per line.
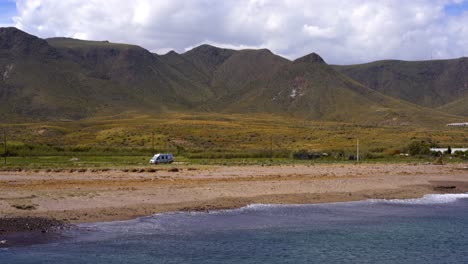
{"x":458,"y":124}
{"x":443,"y":150}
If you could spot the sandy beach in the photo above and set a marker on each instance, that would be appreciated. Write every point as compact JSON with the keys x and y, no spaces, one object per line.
{"x":117,"y":195}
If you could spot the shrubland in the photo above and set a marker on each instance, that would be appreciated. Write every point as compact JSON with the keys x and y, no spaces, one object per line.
{"x":217,"y":138}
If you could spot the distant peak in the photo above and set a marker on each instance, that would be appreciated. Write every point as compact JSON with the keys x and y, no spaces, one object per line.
{"x":19,"y":42}
{"x":12,"y":31}
{"x":172,"y":52}
{"x":264,"y":51}
{"x":310,"y":58}
{"x":206,"y":48}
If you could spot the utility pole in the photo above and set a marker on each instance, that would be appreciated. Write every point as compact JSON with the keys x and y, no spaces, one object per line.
{"x":152,"y":143}
{"x":271,"y":147}
{"x":5,"y":146}
{"x":357,"y":150}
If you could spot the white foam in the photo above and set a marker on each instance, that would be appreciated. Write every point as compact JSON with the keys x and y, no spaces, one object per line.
{"x":426,"y":199}
{"x":153,"y":222}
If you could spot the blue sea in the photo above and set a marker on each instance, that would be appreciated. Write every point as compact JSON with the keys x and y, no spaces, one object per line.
{"x":432,"y":229}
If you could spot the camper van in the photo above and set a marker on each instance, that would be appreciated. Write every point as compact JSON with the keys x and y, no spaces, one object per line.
{"x":161,"y":158}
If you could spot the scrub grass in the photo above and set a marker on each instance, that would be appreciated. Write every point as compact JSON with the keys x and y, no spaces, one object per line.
{"x":108,"y":142}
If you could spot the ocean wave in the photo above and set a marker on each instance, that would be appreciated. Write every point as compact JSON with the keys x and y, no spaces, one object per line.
{"x":167,"y":221}
{"x":427,"y":199}
{"x":256,"y":208}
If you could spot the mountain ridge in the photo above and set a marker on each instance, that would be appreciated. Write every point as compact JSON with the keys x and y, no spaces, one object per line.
{"x":426,"y":83}
{"x":73,"y":79}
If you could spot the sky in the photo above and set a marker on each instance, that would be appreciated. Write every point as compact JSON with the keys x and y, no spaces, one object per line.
{"x":341,"y":31}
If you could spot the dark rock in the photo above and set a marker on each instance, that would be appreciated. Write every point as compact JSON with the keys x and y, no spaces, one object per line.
{"x":445,"y":187}
{"x":24,"y":224}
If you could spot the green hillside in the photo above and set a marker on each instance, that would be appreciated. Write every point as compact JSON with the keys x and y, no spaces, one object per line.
{"x":207,"y":58}
{"x":457,"y":107}
{"x":63,"y":78}
{"x":311,"y":89}
{"x":243,"y":68}
{"x":426,"y":83}
{"x":38,"y":82}
{"x":143,"y":73}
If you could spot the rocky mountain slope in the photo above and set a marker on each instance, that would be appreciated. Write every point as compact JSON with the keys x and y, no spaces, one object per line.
{"x":426,"y":83}
{"x":62,"y":78}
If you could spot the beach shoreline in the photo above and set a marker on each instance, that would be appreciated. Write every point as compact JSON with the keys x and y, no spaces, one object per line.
{"x":116,"y":195}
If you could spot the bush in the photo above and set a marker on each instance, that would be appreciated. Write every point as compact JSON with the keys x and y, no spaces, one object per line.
{"x":419,"y":148}
{"x":371,"y":155}
{"x":305,"y":155}
{"x":460,"y":154}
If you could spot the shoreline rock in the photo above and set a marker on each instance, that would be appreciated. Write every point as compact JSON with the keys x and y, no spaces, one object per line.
{"x":24,"y":231}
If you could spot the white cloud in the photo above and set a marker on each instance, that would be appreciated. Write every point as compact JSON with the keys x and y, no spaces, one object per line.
{"x":342,"y":31}
{"x":318,"y":32}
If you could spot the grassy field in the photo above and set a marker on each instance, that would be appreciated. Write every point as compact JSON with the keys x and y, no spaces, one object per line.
{"x":130,"y":140}
{"x":141,"y":162}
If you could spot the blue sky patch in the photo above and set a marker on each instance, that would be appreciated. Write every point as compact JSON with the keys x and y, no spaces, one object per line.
{"x":456,"y":9}
{"x":7,"y":11}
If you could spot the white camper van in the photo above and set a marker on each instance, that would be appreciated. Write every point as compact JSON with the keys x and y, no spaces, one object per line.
{"x":161,"y":158}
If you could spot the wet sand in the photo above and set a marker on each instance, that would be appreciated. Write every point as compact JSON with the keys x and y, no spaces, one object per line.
{"x":116,"y":195}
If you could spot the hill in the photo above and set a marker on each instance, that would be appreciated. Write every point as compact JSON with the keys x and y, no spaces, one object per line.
{"x":309,"y":88}
{"x":63,"y":78}
{"x":38,"y":82}
{"x":425,"y":83}
{"x":144,"y":74}
{"x":457,"y":107}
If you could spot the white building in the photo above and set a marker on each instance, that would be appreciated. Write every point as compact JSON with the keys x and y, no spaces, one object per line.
{"x":443,"y":150}
{"x":457,"y":124}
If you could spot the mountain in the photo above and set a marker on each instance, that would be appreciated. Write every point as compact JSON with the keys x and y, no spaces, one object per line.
{"x":425,"y":83}
{"x":63,"y":78}
{"x":207,"y":58}
{"x":244,"y":68}
{"x":38,"y":82}
{"x":310,"y":88}
{"x":457,"y":107}
{"x":144,"y":74}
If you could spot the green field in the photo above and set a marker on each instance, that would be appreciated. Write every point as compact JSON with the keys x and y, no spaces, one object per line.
{"x":131,"y":139}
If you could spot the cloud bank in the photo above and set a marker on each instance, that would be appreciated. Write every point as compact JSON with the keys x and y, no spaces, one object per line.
{"x":341,"y":31}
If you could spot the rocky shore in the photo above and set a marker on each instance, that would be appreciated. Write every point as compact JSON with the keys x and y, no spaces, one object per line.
{"x":23,"y":231}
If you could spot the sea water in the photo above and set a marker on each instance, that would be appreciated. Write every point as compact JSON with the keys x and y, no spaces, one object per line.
{"x":433,"y":229}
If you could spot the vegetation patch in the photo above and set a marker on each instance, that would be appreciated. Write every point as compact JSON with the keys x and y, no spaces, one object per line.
{"x":24,"y":206}
{"x":217,"y":139}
